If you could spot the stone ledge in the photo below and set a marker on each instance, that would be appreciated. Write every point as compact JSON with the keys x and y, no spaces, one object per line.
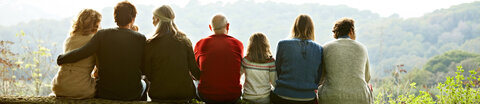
{"x":54,"y":100}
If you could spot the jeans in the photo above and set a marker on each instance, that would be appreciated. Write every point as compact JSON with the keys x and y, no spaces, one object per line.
{"x":144,"y":86}
{"x":275,"y":99}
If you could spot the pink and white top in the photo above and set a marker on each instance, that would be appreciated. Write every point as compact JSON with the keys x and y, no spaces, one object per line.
{"x":259,"y":78}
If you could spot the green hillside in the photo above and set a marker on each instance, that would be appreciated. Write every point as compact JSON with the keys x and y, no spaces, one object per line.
{"x":443,"y":62}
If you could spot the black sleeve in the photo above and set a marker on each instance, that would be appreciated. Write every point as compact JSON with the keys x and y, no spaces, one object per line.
{"x":192,"y":63}
{"x":87,"y":50}
{"x":147,"y":62}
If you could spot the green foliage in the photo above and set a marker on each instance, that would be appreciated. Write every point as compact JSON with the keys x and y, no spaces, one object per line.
{"x":458,"y":90}
{"x":455,"y":90}
{"x":440,"y":63}
{"x":472,"y":45}
{"x":421,"y":77}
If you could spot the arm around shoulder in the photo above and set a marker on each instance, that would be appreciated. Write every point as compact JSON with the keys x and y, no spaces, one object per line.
{"x":87,"y":50}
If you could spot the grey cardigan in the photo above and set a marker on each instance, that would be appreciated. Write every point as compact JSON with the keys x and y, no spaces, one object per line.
{"x":346,"y":73}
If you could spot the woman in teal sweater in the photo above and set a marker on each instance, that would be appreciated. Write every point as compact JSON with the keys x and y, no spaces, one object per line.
{"x":298,"y":65}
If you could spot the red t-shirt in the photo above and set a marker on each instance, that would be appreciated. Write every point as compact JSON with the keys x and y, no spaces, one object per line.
{"x":219,"y":58}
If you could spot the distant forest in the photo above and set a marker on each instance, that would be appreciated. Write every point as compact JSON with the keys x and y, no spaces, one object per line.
{"x":391,"y":41}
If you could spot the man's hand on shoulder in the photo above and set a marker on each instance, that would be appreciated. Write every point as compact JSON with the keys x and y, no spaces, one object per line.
{"x":58,"y":60}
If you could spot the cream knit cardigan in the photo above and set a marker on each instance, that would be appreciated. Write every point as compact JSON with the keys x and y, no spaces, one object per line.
{"x":74,"y":80}
{"x":346,"y":73}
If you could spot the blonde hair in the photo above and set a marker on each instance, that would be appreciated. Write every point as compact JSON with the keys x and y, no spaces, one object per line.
{"x":303,"y":28}
{"x":258,"y":48}
{"x":166,"y":26}
{"x":86,"y":22}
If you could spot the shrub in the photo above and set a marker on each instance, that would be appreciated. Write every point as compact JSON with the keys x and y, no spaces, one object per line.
{"x":455,"y":90}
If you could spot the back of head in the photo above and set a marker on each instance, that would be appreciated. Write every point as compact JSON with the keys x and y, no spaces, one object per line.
{"x":258,"y":48}
{"x":219,"y":22}
{"x":303,"y":28}
{"x":124,"y":13}
{"x":87,"y":22}
{"x":166,"y":26}
{"x":343,"y":27}
{"x":165,"y":16}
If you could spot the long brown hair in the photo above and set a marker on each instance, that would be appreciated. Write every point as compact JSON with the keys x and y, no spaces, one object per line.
{"x":258,"y":48}
{"x":166,"y":26}
{"x":86,"y":22}
{"x":303,"y":28}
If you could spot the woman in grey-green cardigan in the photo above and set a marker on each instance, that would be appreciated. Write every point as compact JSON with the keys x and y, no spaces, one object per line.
{"x":346,"y":71}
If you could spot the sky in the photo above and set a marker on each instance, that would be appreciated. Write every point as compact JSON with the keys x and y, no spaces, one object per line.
{"x":404,"y":8}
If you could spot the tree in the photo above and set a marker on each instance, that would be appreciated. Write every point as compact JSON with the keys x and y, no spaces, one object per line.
{"x":441,"y":62}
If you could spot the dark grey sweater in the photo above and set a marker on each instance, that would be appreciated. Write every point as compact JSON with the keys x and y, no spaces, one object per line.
{"x":119,"y":61}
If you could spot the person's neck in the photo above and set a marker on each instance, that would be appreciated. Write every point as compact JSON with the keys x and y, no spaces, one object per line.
{"x":221,"y":32}
{"x":126,"y":26}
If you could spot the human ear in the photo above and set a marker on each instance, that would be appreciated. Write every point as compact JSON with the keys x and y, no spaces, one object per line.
{"x":155,"y":21}
{"x":210,"y":26}
{"x":352,"y":34}
{"x":227,"y":26}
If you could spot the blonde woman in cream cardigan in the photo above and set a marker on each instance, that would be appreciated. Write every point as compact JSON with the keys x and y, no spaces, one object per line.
{"x":74,"y":80}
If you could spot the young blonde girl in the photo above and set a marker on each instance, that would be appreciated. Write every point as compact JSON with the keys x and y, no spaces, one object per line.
{"x":74,"y":80}
{"x":259,"y":69}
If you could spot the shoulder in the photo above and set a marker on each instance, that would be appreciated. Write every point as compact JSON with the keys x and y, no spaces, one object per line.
{"x":288,"y":41}
{"x":102,"y":32}
{"x":206,"y":38}
{"x":352,"y":43}
{"x":331,"y":43}
{"x":360,"y":45}
{"x":201,"y":41}
{"x":269,"y":64}
{"x":138,"y":35}
{"x":284,"y":42}
{"x":271,"y":60}
{"x":231,"y":38}
{"x":107,"y":30}
{"x":315,"y":44}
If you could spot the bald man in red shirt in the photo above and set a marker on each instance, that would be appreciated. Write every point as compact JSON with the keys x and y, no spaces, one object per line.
{"x":219,"y":57}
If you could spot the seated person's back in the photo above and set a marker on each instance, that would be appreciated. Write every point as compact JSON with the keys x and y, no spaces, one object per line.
{"x":74,"y":80}
{"x":119,"y":63}
{"x":219,"y":57}
{"x":169,"y":60}
{"x":119,"y":54}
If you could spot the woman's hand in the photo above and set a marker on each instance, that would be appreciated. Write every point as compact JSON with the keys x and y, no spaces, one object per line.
{"x":370,"y":87}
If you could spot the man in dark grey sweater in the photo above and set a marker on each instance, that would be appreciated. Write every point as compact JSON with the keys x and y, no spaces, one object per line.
{"x":119,"y":54}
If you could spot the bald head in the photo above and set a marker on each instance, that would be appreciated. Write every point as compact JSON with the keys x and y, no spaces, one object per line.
{"x":219,"y":22}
